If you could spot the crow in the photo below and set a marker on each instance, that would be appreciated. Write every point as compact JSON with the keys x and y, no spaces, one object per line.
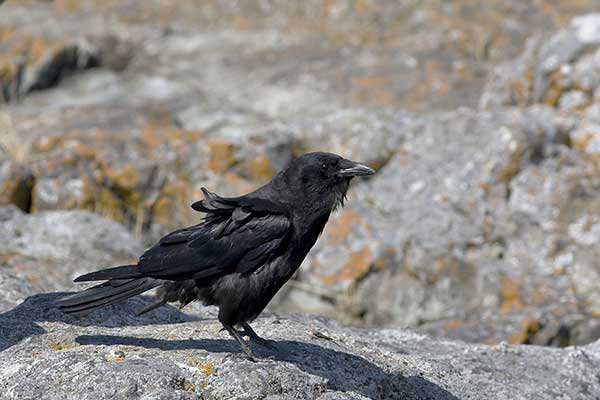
{"x":244,"y":250}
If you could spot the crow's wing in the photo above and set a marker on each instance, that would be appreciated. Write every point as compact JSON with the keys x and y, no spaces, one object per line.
{"x":237,"y":235}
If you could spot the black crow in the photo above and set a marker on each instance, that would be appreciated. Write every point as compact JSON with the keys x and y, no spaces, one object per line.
{"x":245,"y":249}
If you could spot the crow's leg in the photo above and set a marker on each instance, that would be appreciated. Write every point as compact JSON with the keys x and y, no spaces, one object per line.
{"x":254,"y":337}
{"x":236,"y":335}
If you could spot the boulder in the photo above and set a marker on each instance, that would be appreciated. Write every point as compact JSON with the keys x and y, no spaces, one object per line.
{"x":14,"y":290}
{"x":49,"y":249}
{"x":561,"y":70}
{"x":168,"y":354}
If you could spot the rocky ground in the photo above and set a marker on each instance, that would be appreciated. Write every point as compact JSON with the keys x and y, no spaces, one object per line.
{"x":112,"y":354}
{"x":483,"y":121}
{"x":170,"y":354}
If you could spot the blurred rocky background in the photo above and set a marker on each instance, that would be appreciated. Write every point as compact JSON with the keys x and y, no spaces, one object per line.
{"x":482,"y":119}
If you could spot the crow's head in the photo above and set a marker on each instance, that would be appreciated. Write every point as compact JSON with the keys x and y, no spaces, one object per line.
{"x":323,"y":177}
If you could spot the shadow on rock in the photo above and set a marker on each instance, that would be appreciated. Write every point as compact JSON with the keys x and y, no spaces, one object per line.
{"x":343,"y":371}
{"x":22,"y":321}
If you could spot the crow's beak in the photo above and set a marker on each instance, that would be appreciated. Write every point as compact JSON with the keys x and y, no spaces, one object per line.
{"x":351,"y":169}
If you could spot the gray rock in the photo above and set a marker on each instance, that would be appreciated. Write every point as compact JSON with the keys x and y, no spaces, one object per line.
{"x":573,"y":100}
{"x":281,"y":59}
{"x":550,"y":69}
{"x":371,"y":137}
{"x":49,"y":249}
{"x":476,"y":225}
{"x":469,"y":221}
{"x":14,"y":290}
{"x":49,"y":355}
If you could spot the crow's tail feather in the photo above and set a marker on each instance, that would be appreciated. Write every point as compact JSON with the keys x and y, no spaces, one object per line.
{"x":107,"y":293}
{"x":121,"y":272}
{"x":152,"y":306}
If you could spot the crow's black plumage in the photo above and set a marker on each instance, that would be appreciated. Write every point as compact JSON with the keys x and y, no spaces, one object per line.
{"x":243,"y":251}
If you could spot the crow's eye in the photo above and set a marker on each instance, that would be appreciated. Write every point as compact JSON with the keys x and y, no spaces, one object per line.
{"x":324,"y":166}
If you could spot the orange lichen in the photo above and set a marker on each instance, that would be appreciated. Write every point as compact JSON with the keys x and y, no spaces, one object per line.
{"x":258,"y":168}
{"x":67,"y":6}
{"x":221,"y":156}
{"x":242,"y":23}
{"x":357,"y":267}
{"x":340,"y":229}
{"x":6,"y":33}
{"x":555,"y":89}
{"x":47,"y":143}
{"x":125,"y":177}
{"x":60,"y":346}
{"x":160,"y":132}
{"x":508,"y":172}
{"x":240,"y":184}
{"x":362,"y":6}
{"x":162,"y":211}
{"x":583,"y":142}
{"x":511,"y":295}
{"x":208,"y":368}
{"x":454,"y":324}
{"x":84,"y":151}
{"x":374,"y":87}
{"x":529,"y":328}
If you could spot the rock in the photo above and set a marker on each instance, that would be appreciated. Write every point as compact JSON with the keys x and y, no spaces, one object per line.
{"x":35,"y":54}
{"x":147,"y":179}
{"x":346,"y":131}
{"x":586,"y":137}
{"x":467,"y":224}
{"x":16,"y":179}
{"x":561,"y":71}
{"x":312,"y":358}
{"x":479,"y":224}
{"x":549,"y":68}
{"x":16,"y":182}
{"x":572,"y":101}
{"x":280,"y":58}
{"x":14,"y":290}
{"x":49,"y":249}
{"x":263,"y":94}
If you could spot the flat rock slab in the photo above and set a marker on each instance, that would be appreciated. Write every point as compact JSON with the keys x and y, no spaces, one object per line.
{"x":171,"y":355}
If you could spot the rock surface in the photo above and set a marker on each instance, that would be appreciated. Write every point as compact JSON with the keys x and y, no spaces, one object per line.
{"x":481,"y":224}
{"x":479,"y":218}
{"x":558,"y":70}
{"x":484,"y":220}
{"x":167,"y":354}
{"x":276,"y":54}
{"x":132,"y":87}
{"x":49,"y":249}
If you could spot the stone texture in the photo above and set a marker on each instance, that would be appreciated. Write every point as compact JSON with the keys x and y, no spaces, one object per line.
{"x":51,"y":248}
{"x":16,"y":178}
{"x":562,"y":71}
{"x":476,"y":221}
{"x":14,"y":290}
{"x":480,"y":224}
{"x":168,"y":354}
{"x":291,"y":53}
{"x":560,"y":65}
{"x":16,"y":182}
